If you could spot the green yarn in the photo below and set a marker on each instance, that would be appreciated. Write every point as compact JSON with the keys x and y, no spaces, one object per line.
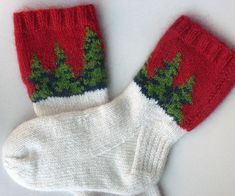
{"x":160,"y":87}
{"x":94,"y":73}
{"x":40,"y":77}
{"x":65,"y":80}
{"x":62,"y":82}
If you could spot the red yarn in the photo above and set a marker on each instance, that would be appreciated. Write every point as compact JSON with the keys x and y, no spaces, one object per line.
{"x":209,"y":60}
{"x":206,"y":58}
{"x":38,"y":31}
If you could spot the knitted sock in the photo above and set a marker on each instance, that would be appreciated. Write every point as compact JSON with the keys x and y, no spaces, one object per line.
{"x":71,"y":76}
{"x":121,"y":147}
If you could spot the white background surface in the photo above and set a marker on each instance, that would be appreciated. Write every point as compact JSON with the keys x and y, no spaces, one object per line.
{"x":200,"y":164}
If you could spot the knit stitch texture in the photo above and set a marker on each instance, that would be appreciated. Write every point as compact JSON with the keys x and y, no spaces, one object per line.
{"x":121,"y":147}
{"x":61,"y":58}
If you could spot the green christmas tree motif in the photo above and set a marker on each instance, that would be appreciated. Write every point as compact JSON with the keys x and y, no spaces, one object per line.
{"x":65,"y":81}
{"x":40,"y":77}
{"x":62,"y":82}
{"x":160,"y":87}
{"x":94,"y":73}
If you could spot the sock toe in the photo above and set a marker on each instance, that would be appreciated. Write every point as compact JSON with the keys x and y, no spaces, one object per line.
{"x":19,"y":157}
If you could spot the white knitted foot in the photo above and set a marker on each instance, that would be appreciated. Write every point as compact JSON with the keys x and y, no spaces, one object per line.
{"x":99,"y":149}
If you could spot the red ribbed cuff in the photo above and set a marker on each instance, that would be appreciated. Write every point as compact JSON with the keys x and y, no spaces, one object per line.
{"x":206,"y":44}
{"x":54,"y":18}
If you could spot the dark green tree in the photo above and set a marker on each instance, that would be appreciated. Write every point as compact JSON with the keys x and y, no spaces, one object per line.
{"x":160,"y":87}
{"x":94,"y":74}
{"x":62,"y":81}
{"x":40,"y":77}
{"x":66,"y":82}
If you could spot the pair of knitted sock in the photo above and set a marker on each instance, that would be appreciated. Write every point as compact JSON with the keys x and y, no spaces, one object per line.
{"x":119,"y":147}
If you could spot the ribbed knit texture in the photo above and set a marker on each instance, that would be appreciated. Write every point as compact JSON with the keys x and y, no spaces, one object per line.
{"x":55,"y":19}
{"x":61,"y":58}
{"x":152,"y":147}
{"x":221,"y":62}
{"x":121,"y":147}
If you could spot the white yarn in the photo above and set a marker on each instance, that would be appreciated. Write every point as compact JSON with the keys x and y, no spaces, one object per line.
{"x":120,"y":147}
{"x":55,"y":105}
